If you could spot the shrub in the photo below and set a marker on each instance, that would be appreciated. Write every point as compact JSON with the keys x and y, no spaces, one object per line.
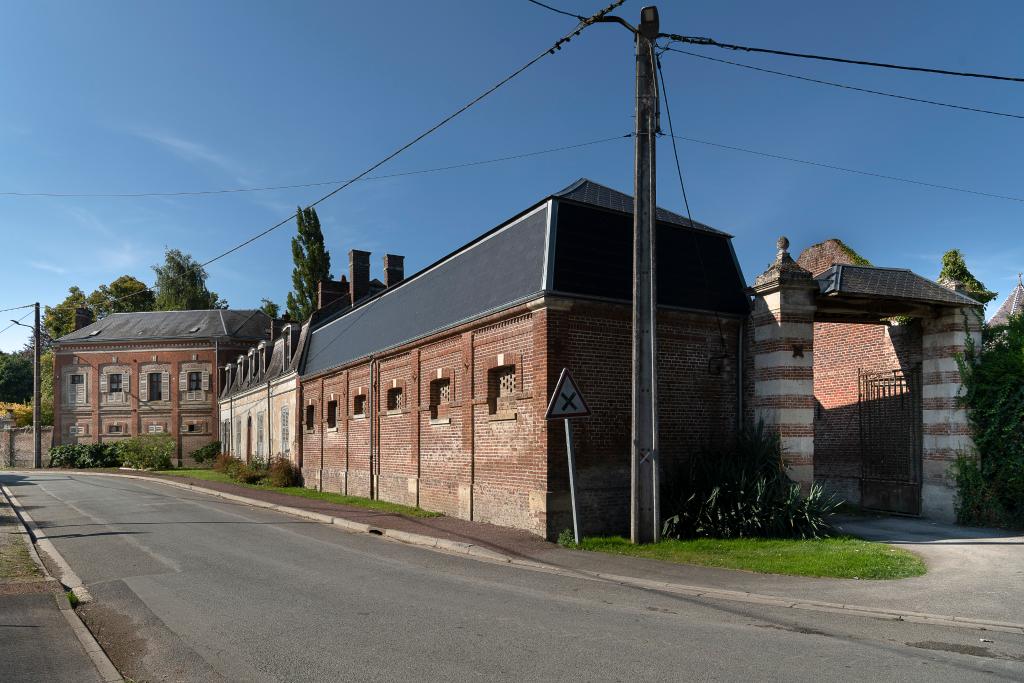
{"x":222,"y":462}
{"x":249,"y":473}
{"x":745,"y":492}
{"x":207,"y":453}
{"x":83,"y":455}
{"x":147,"y":451}
{"x":283,"y":473}
{"x":991,"y":487}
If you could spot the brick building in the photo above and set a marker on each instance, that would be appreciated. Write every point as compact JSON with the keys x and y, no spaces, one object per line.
{"x":432,"y":392}
{"x":147,"y":373}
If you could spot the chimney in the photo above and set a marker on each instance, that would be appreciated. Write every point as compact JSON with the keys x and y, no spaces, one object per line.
{"x":329,"y":291}
{"x":83,"y":317}
{"x":358,"y":274}
{"x":394,"y":269}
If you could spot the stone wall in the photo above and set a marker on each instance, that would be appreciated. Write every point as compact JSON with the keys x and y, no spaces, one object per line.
{"x":16,"y":447}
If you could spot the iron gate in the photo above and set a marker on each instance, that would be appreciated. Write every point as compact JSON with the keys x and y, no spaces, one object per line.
{"x":889,"y":404}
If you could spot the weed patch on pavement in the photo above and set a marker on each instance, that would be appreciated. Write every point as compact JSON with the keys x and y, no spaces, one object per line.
{"x":842,"y":557}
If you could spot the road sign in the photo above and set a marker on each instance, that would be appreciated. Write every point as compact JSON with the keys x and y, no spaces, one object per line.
{"x":567,"y":400}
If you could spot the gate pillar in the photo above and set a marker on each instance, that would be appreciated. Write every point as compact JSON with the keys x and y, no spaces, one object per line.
{"x":945,"y":430}
{"x":783,"y":350}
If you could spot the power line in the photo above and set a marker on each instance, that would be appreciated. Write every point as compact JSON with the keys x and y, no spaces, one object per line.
{"x":695,"y":40}
{"x":13,"y":322}
{"x":451,"y":167}
{"x":843,"y":85}
{"x":559,"y":11}
{"x":852,"y":170}
{"x":15,"y":308}
{"x":596,"y":17}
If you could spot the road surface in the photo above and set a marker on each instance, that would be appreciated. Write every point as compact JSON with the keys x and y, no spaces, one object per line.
{"x":189,"y":587}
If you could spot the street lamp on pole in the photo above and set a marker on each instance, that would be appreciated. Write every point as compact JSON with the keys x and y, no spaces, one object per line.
{"x":37,"y":440}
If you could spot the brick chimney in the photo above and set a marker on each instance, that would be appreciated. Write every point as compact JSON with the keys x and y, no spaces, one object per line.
{"x":358,"y":274}
{"x":394,"y":269}
{"x":83,"y":317}
{"x":329,"y":291}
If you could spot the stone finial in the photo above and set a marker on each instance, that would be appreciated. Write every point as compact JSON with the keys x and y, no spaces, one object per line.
{"x":783,"y":269}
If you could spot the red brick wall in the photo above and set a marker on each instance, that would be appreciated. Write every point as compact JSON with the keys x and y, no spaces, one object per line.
{"x":820,"y":257}
{"x":840,"y":351}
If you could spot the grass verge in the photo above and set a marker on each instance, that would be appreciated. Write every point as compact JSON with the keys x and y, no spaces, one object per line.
{"x":301,"y":492}
{"x":841,"y":557}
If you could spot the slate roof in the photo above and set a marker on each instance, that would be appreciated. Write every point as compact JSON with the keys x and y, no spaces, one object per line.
{"x":518,"y":262}
{"x":888,"y":283}
{"x":1013,"y":305}
{"x":219,"y":323}
{"x":587,"y":191}
{"x":276,"y":362}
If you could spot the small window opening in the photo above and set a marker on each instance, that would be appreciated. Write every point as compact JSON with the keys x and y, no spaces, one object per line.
{"x":332,"y":414}
{"x":440,"y":398}
{"x":156,"y":386}
{"x":359,"y":405}
{"x":195,"y":381}
{"x":114,"y":429}
{"x":78,"y":379}
{"x":193,"y":427}
{"x":310,"y":415}
{"x":395,"y":399}
{"x":501,"y":389}
{"x":114,"y":383}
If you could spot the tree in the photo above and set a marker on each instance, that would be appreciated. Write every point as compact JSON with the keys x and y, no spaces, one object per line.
{"x":181,"y":284}
{"x":269,"y":307}
{"x":15,"y":378}
{"x":954,"y":267}
{"x":60,"y":319}
{"x":126,"y":294}
{"x":312,"y":264}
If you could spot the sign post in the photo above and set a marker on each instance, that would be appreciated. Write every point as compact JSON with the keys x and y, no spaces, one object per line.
{"x":566,"y":403}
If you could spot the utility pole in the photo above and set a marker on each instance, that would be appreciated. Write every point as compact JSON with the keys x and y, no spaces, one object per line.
{"x":37,"y":437}
{"x":644,"y":508}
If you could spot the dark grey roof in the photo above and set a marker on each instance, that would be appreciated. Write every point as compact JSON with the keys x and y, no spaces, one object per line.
{"x":1013,"y":305}
{"x":276,"y":362}
{"x":503,"y":267}
{"x":519,"y":261}
{"x":888,"y":283}
{"x":587,"y":191}
{"x":234,"y":324}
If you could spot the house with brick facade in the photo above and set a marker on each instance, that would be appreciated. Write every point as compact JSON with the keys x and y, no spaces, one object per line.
{"x":147,"y":373}
{"x":432,"y":392}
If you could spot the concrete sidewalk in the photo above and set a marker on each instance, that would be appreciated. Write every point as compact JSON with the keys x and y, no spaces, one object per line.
{"x":39,"y":639}
{"x":973,"y":573}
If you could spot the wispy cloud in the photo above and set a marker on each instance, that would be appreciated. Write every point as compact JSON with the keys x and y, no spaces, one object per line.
{"x":191,"y":150}
{"x":91,"y":221}
{"x":49,"y":267}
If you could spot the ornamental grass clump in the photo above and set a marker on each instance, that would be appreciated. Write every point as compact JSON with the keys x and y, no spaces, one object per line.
{"x":283,"y":473}
{"x":744,"y":492}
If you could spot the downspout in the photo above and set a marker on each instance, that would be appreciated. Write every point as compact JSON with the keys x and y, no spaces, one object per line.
{"x":270,"y":430}
{"x":371,"y":397}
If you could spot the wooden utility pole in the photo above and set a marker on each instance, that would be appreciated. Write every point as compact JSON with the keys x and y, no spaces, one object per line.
{"x":37,"y":436}
{"x":644,"y":508}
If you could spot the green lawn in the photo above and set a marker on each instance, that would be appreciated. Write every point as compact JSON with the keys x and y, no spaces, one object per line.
{"x":842,"y":557}
{"x":300,"y":492}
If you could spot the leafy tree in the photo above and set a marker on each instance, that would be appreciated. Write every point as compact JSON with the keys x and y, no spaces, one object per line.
{"x":954,"y":267}
{"x":60,"y":319}
{"x":312,"y":264}
{"x":15,"y":378}
{"x":126,"y":294}
{"x":181,"y":284}
{"x":269,"y":307}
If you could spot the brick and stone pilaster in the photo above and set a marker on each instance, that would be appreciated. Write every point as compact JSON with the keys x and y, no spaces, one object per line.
{"x":945,"y":432}
{"x":783,"y":352}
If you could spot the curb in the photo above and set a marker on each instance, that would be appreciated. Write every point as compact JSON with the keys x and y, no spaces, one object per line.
{"x":481,"y":553}
{"x":106,"y":669}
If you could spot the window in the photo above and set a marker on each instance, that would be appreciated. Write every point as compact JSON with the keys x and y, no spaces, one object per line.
{"x":155,"y":384}
{"x":332,"y":414}
{"x":238,"y":437}
{"x":359,"y":406}
{"x":78,"y":379}
{"x":310,"y":416}
{"x":76,"y":389}
{"x":115,"y":429}
{"x":286,"y":445}
{"x":501,"y":389}
{"x":155,"y":429}
{"x":395,"y":401}
{"x":259,"y":435}
{"x":114,"y":383}
{"x":193,"y":427}
{"x":195,"y":381}
{"x":440,"y":398}
{"x":225,"y":431}
{"x":75,"y":430}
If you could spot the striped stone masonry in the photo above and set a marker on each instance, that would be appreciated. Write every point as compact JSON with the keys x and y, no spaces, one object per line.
{"x":945,"y":431}
{"x":783,"y":351}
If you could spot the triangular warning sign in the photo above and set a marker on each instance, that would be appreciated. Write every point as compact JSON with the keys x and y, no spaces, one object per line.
{"x":567,"y":400}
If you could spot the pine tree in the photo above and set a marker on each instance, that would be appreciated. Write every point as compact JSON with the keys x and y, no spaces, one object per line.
{"x":312,"y":264}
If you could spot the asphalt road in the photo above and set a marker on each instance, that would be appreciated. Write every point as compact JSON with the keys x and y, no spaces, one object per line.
{"x":194,"y":588}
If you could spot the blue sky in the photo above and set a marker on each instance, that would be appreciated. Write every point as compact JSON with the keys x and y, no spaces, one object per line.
{"x":106,"y":97}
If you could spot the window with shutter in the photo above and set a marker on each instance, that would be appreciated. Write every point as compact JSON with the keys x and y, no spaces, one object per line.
{"x":103,"y":382}
{"x":286,"y":446}
{"x":165,"y":386}
{"x":259,"y":435}
{"x":205,"y":386}
{"x":183,"y":382}
{"x":143,"y":387}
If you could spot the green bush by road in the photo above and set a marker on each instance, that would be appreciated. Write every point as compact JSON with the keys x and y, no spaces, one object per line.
{"x":841,"y":557}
